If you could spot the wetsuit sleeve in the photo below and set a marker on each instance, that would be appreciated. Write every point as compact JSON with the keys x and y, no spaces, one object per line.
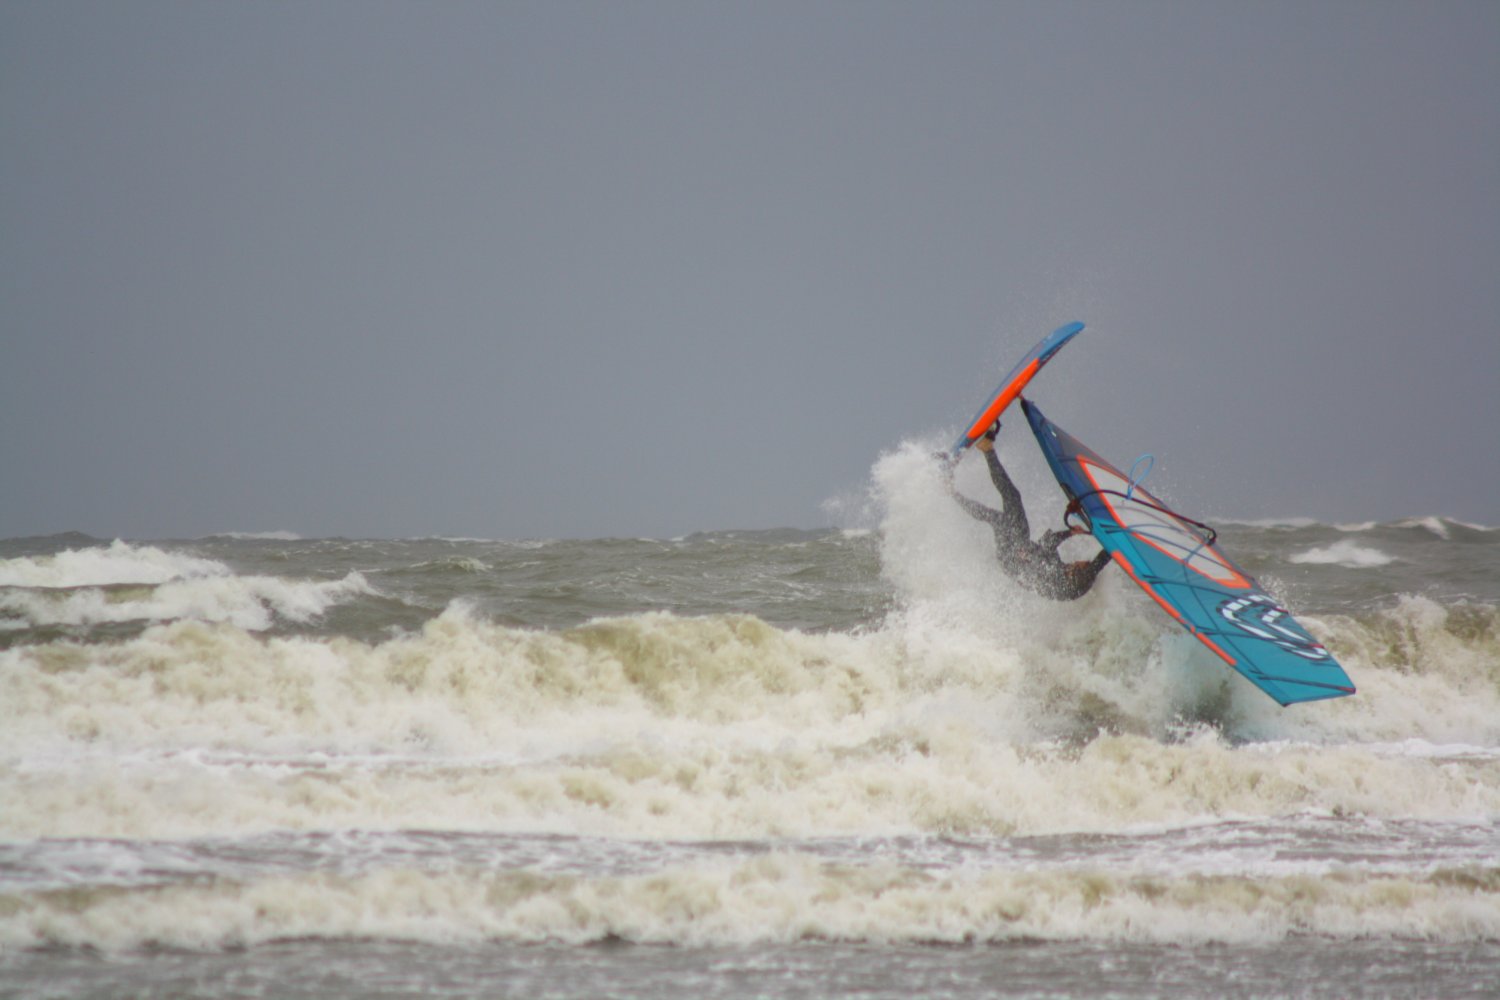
{"x":976,"y":510}
{"x":1079,"y":577}
{"x":1053,"y":539}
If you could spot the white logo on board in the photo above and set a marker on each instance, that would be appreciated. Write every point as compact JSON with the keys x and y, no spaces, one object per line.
{"x":1263,"y":618}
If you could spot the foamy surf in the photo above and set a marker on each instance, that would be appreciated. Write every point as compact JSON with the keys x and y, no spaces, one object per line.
{"x":780,"y":897}
{"x":664,"y":726}
{"x":766,"y":742}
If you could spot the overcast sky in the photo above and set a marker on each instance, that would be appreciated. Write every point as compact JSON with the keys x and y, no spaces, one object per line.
{"x":645,"y":268}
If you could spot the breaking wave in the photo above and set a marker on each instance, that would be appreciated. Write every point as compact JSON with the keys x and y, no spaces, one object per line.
{"x":143,"y":583}
{"x":781,"y":897}
{"x":662,"y":726}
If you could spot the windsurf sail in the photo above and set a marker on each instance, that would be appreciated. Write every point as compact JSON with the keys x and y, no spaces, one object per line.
{"x":1178,"y":562}
{"x":1010,"y":387}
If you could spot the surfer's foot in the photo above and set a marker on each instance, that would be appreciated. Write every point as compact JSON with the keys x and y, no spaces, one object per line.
{"x":994,"y":431}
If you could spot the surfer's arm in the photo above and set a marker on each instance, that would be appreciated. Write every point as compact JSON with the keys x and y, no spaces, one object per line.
{"x":974,"y":509}
{"x":1053,"y":539}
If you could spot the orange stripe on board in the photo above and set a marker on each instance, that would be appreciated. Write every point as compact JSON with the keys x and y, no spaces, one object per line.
{"x":1125,"y":565}
{"x":1007,"y":396}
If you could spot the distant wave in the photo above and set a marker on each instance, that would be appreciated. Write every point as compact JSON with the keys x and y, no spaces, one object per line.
{"x":253,"y":603}
{"x":457,"y":564}
{"x":118,"y":563}
{"x":1436,"y":525}
{"x":1344,"y":553}
{"x":257,"y":536}
{"x":125,"y":583}
{"x":1273,"y":522}
{"x":1440,"y":526}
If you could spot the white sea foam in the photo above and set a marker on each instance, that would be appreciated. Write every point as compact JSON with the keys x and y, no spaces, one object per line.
{"x":1344,"y":553}
{"x":124,"y":583}
{"x":249,"y":602}
{"x":1427,"y":750}
{"x":119,"y":563}
{"x":780,"y":897}
{"x":668,"y":727}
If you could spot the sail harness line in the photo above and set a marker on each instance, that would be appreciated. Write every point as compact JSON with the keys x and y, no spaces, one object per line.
{"x":1076,"y":507}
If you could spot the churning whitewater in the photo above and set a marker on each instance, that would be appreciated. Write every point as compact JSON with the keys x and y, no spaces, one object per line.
{"x":245,"y":744}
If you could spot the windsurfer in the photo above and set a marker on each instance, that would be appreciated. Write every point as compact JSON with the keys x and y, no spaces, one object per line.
{"x":1036,"y":565}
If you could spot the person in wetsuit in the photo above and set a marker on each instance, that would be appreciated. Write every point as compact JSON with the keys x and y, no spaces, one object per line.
{"x":1035,"y":565}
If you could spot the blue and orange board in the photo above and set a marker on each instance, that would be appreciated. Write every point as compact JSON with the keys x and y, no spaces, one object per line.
{"x":1178,"y":563}
{"x":1010,"y":387}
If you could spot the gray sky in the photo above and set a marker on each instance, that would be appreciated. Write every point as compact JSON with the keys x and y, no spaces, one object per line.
{"x":645,"y":268}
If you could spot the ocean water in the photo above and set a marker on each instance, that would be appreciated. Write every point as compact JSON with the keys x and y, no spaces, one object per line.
{"x":769,"y":764}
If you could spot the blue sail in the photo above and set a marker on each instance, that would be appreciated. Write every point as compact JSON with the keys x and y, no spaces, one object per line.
{"x":1178,"y":563}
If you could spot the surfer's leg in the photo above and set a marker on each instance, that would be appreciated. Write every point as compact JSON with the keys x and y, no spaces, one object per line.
{"x":1014,"y":512}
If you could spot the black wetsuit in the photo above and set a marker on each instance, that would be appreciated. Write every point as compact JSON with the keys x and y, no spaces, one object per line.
{"x":1036,"y":565}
